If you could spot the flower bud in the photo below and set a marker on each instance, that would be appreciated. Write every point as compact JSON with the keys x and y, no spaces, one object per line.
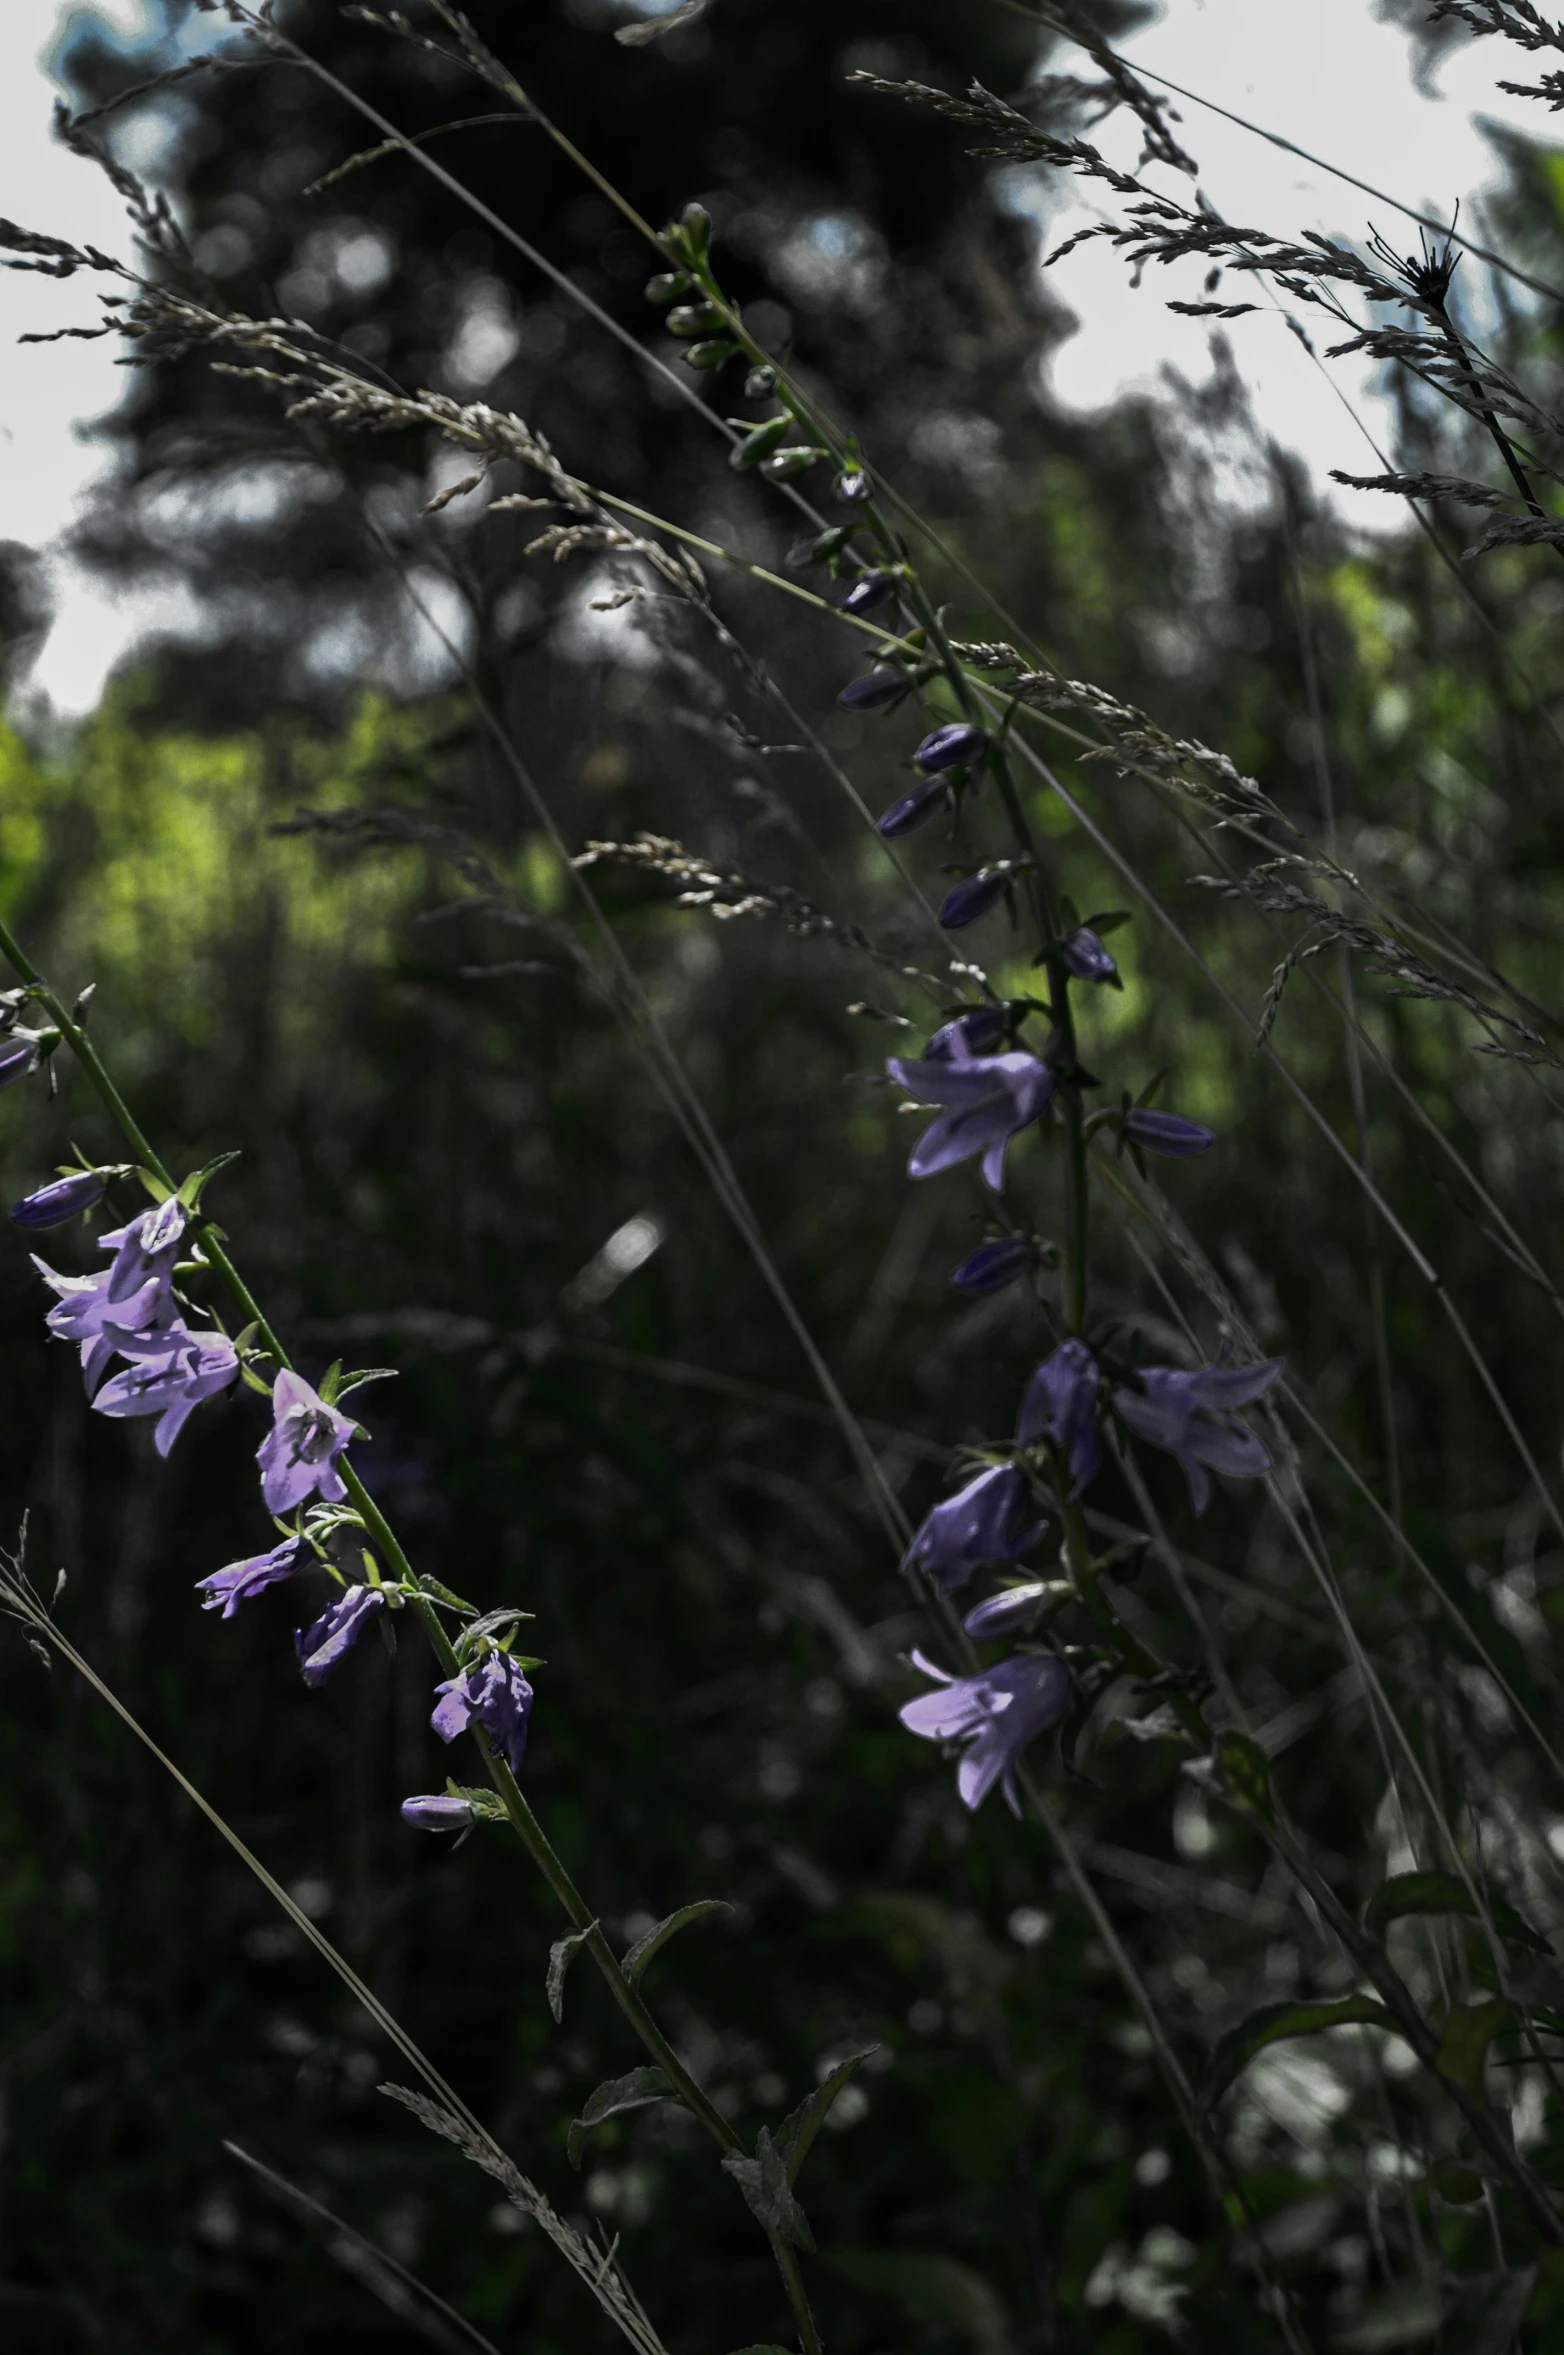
{"x":952,"y":747}
{"x":1085,"y":956}
{"x":783,"y":465}
{"x":1165,"y":1132}
{"x":759,"y":442}
{"x":971,"y":899}
{"x":692,"y":319}
{"x":913,"y":810}
{"x":853,"y":486}
{"x":438,"y":1811}
{"x":667,"y":286}
{"x":875,"y":691}
{"x":67,"y":1198}
{"x":994,"y":1265}
{"x":869,"y":592}
{"x":697,"y":229}
{"x":1007,"y":1612}
{"x":708,"y":355}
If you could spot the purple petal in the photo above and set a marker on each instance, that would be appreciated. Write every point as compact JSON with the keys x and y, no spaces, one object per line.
{"x":1005,"y":1613}
{"x":67,"y":1198}
{"x":336,"y":1631}
{"x":453,"y":1714}
{"x":1168,"y":1133}
{"x":438,"y":1811}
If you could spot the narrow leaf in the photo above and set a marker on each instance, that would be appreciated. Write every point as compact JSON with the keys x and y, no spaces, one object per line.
{"x":764,"y":2182}
{"x":1435,"y":1893}
{"x":365,"y":1374}
{"x":1274,"y":2021}
{"x":560,"y":1957}
{"x":641,"y":1953}
{"x":635,"y":2092}
{"x":799,"y":2128}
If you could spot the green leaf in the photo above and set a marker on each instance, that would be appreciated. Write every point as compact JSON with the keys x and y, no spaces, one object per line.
{"x":1108,"y":921}
{"x":1463,"y":2046}
{"x":356,"y":1381}
{"x":1434,"y":1893}
{"x":194,"y":1185}
{"x":1246,"y":1774}
{"x":1271,"y":2023}
{"x":764,"y":2182}
{"x":326,"y":1388}
{"x":640,"y":1954}
{"x":799,"y":2128}
{"x":560,"y":1957}
{"x":442,"y":1594}
{"x":634,"y":2092}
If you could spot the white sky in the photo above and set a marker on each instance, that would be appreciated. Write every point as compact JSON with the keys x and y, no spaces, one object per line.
{"x":1332,"y":77}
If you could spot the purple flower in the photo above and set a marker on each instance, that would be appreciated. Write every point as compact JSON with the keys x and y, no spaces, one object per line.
{"x":875,"y":691}
{"x":981,"y":1027}
{"x":1060,"y":1403}
{"x":134,"y":1295}
{"x":67,"y":1198}
{"x":18,"y":1057}
{"x":170,"y":1374}
{"x":913,"y":810}
{"x":1179,"y":1411}
{"x":988,"y":1099}
{"x":1165,"y":1132}
{"x":976,"y":1526}
{"x":965,"y":902}
{"x":952,"y":747}
{"x":298,"y":1456}
{"x":1006,"y":1613}
{"x":869,"y":592}
{"x":494,"y":1694}
{"x":994,"y":1265}
{"x":1085,"y":956}
{"x":438,"y":1811}
{"x":995,"y":1714}
{"x":241,"y":1582}
{"x":336,"y":1631}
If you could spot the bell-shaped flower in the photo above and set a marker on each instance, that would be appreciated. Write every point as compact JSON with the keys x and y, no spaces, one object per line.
{"x":994,"y":1265}
{"x":987,"y":1100}
{"x":298,"y":1456}
{"x":18,"y":1057}
{"x":980,"y":1028}
{"x":954,"y":747}
{"x":995,"y":1714}
{"x":133,"y":1296}
{"x":67,"y":1198}
{"x":1085,"y":957}
{"x":1186,"y":1414}
{"x":169,"y":1375}
{"x":965,"y":902}
{"x":240,"y":1582}
{"x":1008,"y":1612}
{"x":438,"y":1811}
{"x":914,"y":809}
{"x":1165,"y":1132}
{"x":336,"y":1631}
{"x":493,"y":1693}
{"x":1060,"y":1403}
{"x":987,"y":1521}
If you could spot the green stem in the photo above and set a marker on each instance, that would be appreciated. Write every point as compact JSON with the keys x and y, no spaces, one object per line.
{"x":394,"y":1558}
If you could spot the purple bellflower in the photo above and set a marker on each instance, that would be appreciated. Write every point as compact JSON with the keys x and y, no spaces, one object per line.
{"x":981,"y":1027}
{"x":298,"y":1456}
{"x":1007,"y":1612}
{"x":170,"y":1374}
{"x":493,"y":1693}
{"x":1165,"y":1132}
{"x":438,"y":1811}
{"x":336,"y":1631}
{"x":954,"y":747}
{"x":66,"y":1199}
{"x":869,"y":592}
{"x":240,"y":1582}
{"x":995,"y":1714}
{"x":987,"y":1099}
{"x":1060,"y":1403}
{"x":133,"y":1296}
{"x":994,"y":1265}
{"x":1085,"y":956}
{"x":913,"y":810}
{"x":875,"y":691}
{"x":982,"y":1523}
{"x":1181,"y":1412}
{"x":18,"y":1057}
{"x":965,"y":902}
